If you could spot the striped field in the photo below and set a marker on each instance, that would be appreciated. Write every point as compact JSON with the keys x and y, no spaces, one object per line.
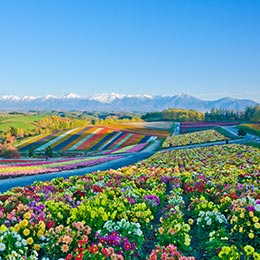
{"x":91,"y":139}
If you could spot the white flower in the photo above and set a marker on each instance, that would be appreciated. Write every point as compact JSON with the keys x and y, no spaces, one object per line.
{"x":198,"y":220}
{"x":42,"y":237}
{"x":139,"y":232}
{"x":209,"y":222}
{"x":257,"y":207}
{"x":18,"y":244}
{"x":24,"y":242}
{"x":2,"y":247}
{"x":116,"y":227}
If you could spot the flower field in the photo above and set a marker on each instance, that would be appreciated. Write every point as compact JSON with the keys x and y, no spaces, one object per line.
{"x":194,"y":138}
{"x":26,"y":167}
{"x":86,"y":139}
{"x":187,"y":204}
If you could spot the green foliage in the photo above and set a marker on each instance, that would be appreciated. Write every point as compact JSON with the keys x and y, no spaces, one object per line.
{"x":48,"y":151}
{"x":225,"y":132}
{"x":175,"y":114}
{"x":250,"y":130}
{"x":31,"y":152}
{"x":172,"y":129}
{"x":182,"y":115}
{"x":252,"y":114}
{"x":241,"y":131}
{"x":253,"y":144}
{"x":224,"y":115}
{"x":153,"y":116}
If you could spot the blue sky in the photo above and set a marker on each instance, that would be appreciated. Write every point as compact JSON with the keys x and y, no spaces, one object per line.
{"x":205,"y":48}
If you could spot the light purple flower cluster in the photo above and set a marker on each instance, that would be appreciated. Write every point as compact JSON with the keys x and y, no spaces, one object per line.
{"x":152,"y":200}
{"x":137,"y":148}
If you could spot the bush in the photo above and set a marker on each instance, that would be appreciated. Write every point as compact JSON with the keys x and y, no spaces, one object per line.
{"x":8,"y":151}
{"x":49,"y":152}
{"x":241,"y":132}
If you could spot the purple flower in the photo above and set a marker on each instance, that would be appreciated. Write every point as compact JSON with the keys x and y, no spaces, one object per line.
{"x":117,"y":241}
{"x":152,"y":200}
{"x":133,"y":245}
{"x":97,"y":234}
{"x":251,"y":208}
{"x":127,"y":245}
{"x":131,"y":200}
{"x":113,"y":234}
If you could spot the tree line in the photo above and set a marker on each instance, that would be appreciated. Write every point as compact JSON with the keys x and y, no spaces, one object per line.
{"x":250,"y":114}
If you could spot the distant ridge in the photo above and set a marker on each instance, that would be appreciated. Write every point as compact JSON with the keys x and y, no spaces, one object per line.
{"x":118,"y":103}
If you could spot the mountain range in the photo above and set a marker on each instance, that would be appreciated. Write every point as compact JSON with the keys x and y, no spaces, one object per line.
{"x":115,"y":102}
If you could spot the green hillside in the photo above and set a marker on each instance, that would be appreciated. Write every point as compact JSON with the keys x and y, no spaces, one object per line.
{"x":18,"y":121}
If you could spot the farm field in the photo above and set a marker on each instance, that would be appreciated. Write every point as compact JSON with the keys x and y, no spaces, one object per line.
{"x":160,"y":125}
{"x":205,"y":136}
{"x":15,"y":168}
{"x":18,"y":121}
{"x":91,"y":139}
{"x":203,"y":203}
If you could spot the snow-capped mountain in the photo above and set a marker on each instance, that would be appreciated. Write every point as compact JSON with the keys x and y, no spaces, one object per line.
{"x":10,"y":98}
{"x":107,"y":98}
{"x":29,"y":98}
{"x":70,"y":96}
{"x":110,"y":97}
{"x":118,"y":102}
{"x":50,"y":97}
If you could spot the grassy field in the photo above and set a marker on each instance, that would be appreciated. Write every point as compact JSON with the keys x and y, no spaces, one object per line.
{"x":18,"y":121}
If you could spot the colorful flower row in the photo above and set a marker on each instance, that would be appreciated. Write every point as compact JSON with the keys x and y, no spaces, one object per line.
{"x":38,"y":167}
{"x":187,"y":204}
{"x":86,"y":139}
{"x":129,"y":149}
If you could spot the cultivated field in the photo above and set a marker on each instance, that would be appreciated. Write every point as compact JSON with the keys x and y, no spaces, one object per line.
{"x":18,"y":121}
{"x":91,"y":139}
{"x":203,"y":203}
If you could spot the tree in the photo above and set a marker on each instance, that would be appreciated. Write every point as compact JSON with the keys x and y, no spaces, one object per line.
{"x":31,"y":152}
{"x":49,"y":151}
{"x":13,"y":131}
{"x":8,"y":151}
{"x":241,"y":131}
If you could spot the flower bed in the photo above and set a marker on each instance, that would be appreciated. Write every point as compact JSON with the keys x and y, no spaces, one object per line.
{"x":38,"y":167}
{"x":194,"y":138}
{"x":203,"y":203}
{"x":129,"y":149}
{"x":91,"y":138}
